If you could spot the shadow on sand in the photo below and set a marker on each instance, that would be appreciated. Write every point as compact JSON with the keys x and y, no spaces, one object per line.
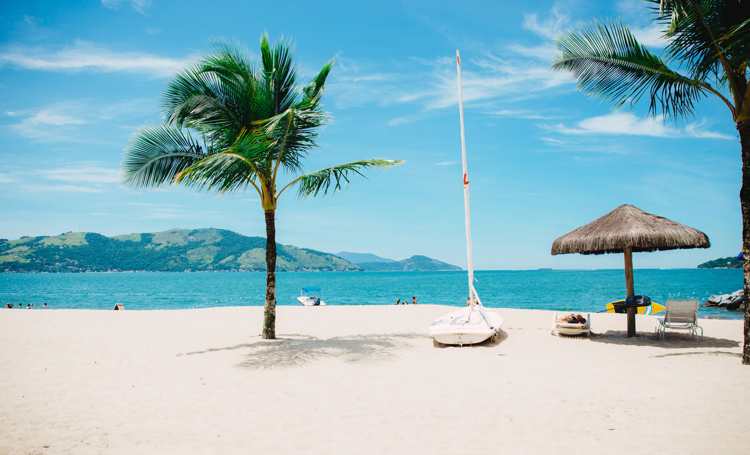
{"x":671,"y":341}
{"x":293,"y":349}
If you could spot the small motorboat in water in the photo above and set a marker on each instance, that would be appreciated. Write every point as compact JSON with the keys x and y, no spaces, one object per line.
{"x":310,"y":297}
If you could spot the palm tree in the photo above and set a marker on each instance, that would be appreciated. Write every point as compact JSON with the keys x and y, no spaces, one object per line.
{"x":233,"y":126}
{"x":707,"y":54}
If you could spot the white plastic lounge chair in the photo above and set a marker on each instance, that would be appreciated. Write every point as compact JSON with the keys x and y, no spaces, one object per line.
{"x":571,"y":328}
{"x":680,"y":315}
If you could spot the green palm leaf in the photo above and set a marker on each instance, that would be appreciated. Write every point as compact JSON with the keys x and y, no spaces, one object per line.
{"x":157,"y":155}
{"x":609,"y":62}
{"x":333,"y":178}
{"x":278,"y":74}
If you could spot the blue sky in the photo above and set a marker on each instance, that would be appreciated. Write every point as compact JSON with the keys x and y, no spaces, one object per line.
{"x":79,"y":78}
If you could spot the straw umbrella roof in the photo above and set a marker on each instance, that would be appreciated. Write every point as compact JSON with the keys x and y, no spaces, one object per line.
{"x":627,"y":226}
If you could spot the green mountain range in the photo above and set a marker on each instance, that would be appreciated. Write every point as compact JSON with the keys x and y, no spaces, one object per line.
{"x":173,"y":250}
{"x":731,"y":262}
{"x":179,"y":250}
{"x":372,"y":263}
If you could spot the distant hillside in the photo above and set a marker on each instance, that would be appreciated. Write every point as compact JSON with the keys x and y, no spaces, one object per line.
{"x":412,"y":264}
{"x":722,"y":263}
{"x":173,"y":250}
{"x":361,"y":258}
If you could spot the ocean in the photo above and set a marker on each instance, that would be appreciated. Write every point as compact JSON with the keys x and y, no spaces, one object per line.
{"x":564,"y":290}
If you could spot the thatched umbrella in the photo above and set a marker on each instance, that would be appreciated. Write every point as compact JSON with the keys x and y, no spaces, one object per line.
{"x":627,"y":229}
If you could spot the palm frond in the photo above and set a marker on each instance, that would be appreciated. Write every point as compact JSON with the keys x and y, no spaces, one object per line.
{"x":333,"y":178}
{"x":609,"y":62}
{"x":156,"y":156}
{"x":314,"y":90}
{"x":241,"y":165}
{"x":294,"y":133}
{"x":198,"y":99}
{"x":279,"y":74}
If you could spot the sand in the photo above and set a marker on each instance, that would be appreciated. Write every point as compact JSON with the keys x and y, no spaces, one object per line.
{"x":362,"y":380}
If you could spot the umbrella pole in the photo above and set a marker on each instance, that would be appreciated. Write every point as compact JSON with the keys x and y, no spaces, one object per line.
{"x":629,"y":285}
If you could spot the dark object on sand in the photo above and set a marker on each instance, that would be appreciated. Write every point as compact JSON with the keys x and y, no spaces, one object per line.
{"x":573,"y":319}
{"x":119,"y":306}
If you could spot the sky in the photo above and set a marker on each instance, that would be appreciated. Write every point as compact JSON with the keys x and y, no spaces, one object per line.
{"x":79,"y":79}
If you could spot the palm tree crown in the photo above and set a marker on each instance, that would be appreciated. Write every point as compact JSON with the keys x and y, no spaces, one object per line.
{"x":708,"y":48}
{"x":230,"y":126}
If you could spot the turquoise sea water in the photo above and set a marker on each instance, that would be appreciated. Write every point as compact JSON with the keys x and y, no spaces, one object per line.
{"x":540,"y":289}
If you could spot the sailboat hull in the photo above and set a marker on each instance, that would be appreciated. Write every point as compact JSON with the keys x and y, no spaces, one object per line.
{"x":467,"y":326}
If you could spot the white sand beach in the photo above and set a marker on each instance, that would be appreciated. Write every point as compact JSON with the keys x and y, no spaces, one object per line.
{"x":364,"y":380}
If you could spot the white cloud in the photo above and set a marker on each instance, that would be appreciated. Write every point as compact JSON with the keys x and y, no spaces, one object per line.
{"x":139,"y":6}
{"x":650,"y":35}
{"x":546,"y":52}
{"x":50,"y":123}
{"x":61,"y":188}
{"x":66,"y":121}
{"x":402,"y":120}
{"x":82,"y":55}
{"x":83,"y":173}
{"x":69,"y":178}
{"x":519,"y":113}
{"x":555,"y":24}
{"x":154,"y":211}
{"x":491,"y":78}
{"x":446,"y":163}
{"x":624,"y":123}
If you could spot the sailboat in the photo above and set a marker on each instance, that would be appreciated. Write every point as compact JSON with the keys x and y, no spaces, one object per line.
{"x":472,"y":324}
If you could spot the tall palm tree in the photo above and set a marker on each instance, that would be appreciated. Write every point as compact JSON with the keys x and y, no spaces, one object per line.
{"x":707,"y":55}
{"x":233,"y":126}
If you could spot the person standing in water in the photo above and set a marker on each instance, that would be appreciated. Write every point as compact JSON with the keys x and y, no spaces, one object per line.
{"x":414,"y":300}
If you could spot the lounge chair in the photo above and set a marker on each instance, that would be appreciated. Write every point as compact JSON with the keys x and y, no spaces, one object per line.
{"x":680,"y":315}
{"x":562,"y":327}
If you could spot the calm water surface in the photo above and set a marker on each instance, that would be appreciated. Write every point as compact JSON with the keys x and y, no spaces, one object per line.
{"x":570,"y":290}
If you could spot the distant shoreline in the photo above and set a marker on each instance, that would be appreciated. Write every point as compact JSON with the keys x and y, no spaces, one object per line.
{"x":359,"y":271}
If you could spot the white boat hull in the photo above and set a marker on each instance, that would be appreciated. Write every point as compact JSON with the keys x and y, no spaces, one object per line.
{"x":467,"y":326}
{"x":310,"y":301}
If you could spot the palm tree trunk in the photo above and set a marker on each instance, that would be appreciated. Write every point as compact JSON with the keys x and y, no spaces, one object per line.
{"x":269,"y":311}
{"x":743,"y":127}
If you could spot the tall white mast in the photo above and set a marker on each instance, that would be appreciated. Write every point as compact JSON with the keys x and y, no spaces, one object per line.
{"x":467,"y":205}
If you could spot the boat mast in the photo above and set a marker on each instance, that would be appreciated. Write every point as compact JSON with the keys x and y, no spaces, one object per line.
{"x":464,"y":165}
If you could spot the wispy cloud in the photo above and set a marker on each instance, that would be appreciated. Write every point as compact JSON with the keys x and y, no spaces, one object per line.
{"x":155,"y":211}
{"x":491,"y":78}
{"x":83,"y":173}
{"x":554,"y":24}
{"x":65,"y":122}
{"x":45,"y":188}
{"x":650,"y":35}
{"x":446,"y":163}
{"x":139,"y":6}
{"x":50,"y":123}
{"x":525,"y":114}
{"x":81,"y":177}
{"x":627,"y":124}
{"x":83,"y":55}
